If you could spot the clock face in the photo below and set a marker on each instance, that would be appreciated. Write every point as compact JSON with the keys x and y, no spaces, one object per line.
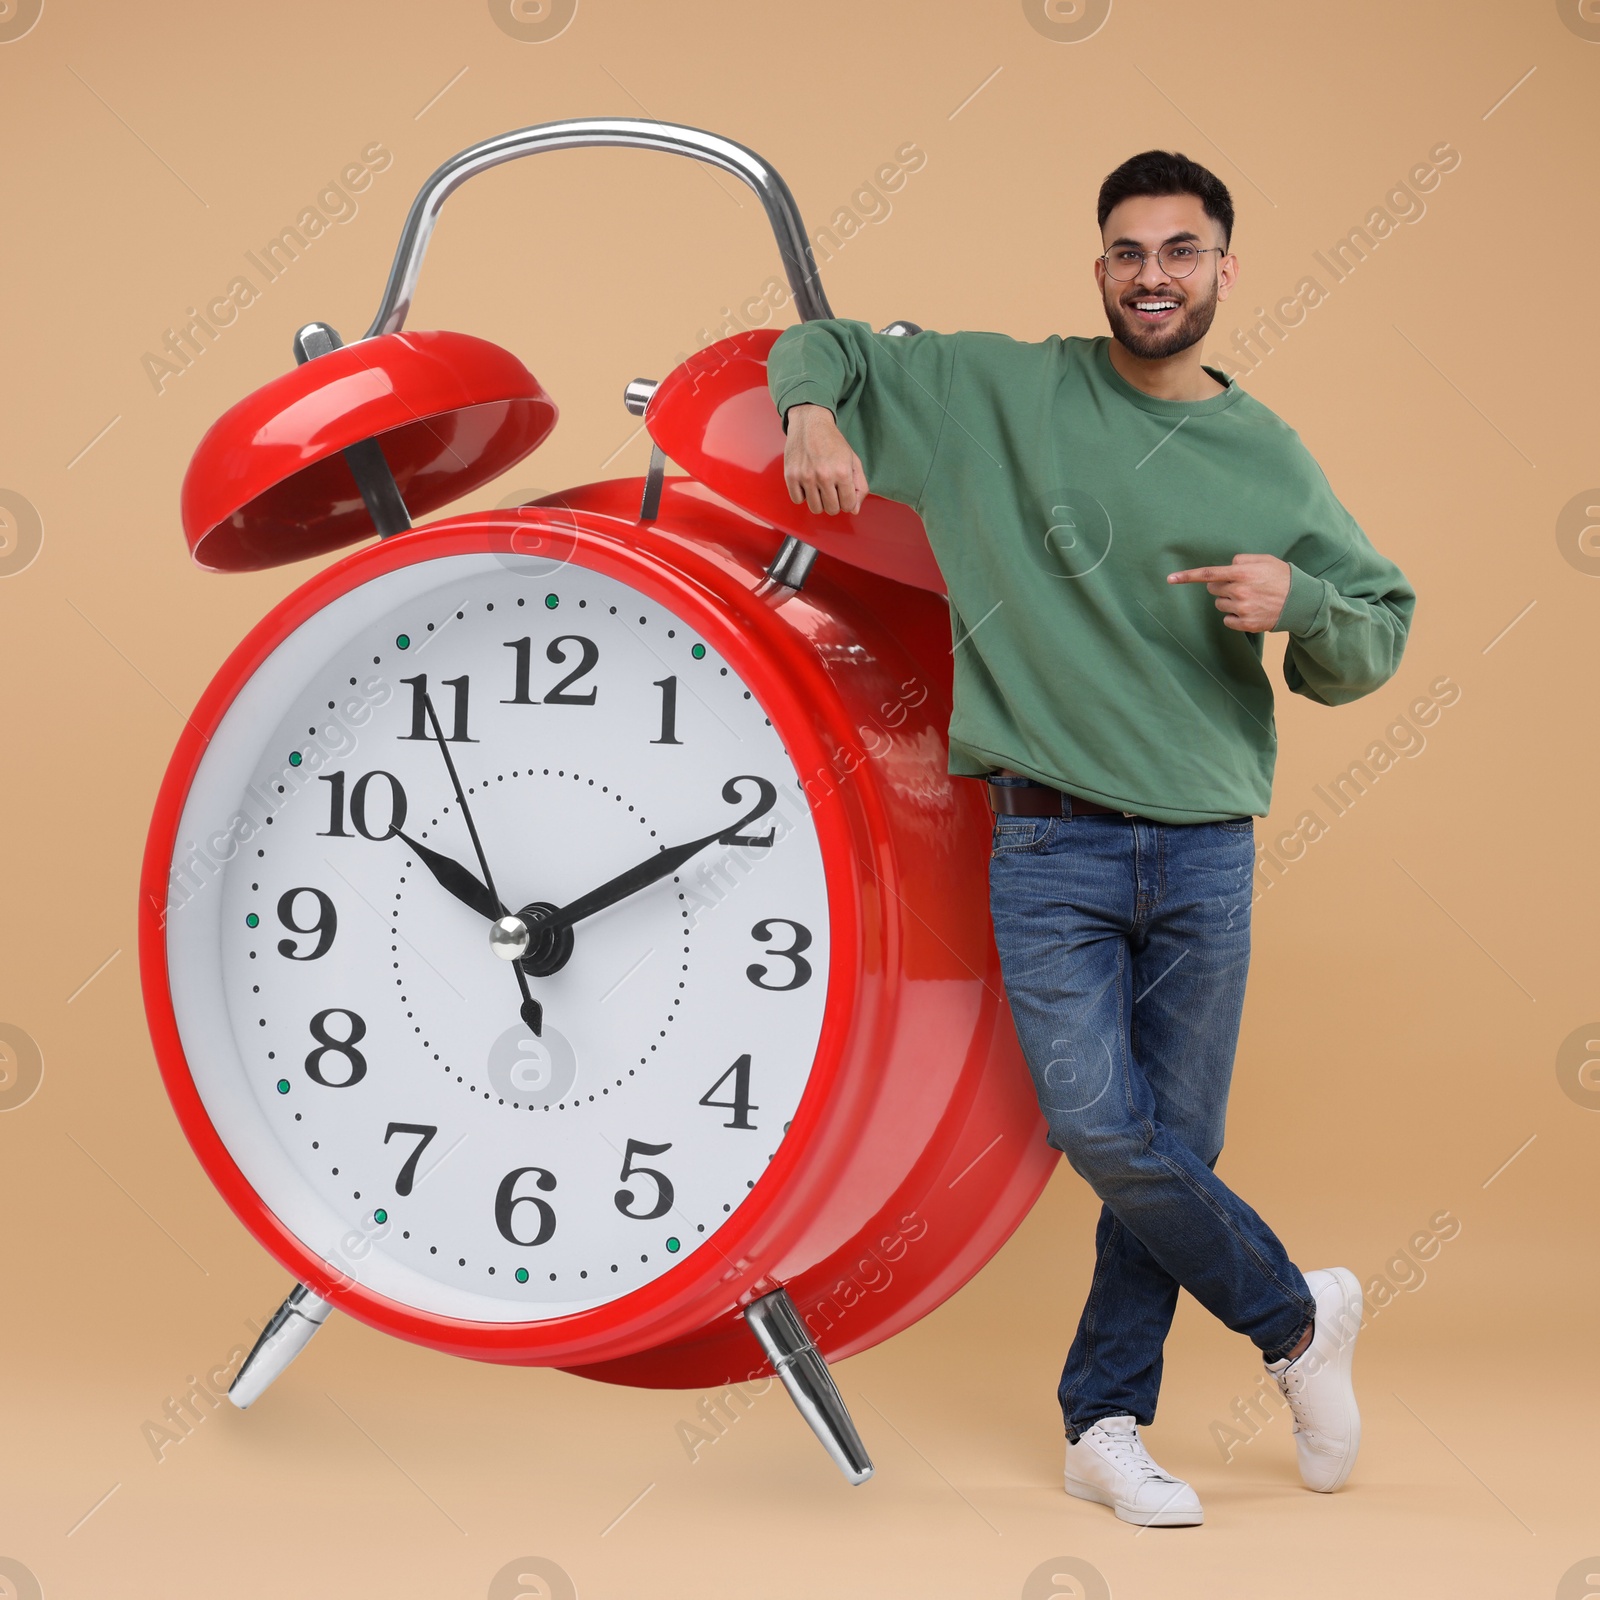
{"x":360,"y":1047}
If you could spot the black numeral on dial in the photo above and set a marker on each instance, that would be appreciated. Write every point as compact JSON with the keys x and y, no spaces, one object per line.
{"x":420,"y":727}
{"x":625,"y":1197}
{"x":588,"y":656}
{"x":506,"y":1201}
{"x":358,"y":806}
{"x":326,"y":925}
{"x":766,"y":798}
{"x":346,"y":1047}
{"x":800,"y":968}
{"x":669,"y":711}
{"x":408,"y":1170}
{"x":740,"y":1104}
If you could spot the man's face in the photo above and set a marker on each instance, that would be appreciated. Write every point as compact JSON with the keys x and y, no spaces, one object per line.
{"x":1155,"y":315}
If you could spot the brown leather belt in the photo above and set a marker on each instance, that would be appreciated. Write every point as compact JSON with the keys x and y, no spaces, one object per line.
{"x":1033,"y":799}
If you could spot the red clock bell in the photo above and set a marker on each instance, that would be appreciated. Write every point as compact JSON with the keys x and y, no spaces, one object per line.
{"x":561,"y":939}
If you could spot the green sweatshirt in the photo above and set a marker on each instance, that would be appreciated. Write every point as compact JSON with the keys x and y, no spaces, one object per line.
{"x":1057,"y":498}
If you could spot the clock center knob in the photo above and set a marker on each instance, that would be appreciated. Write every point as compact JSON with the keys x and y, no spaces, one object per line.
{"x":509,"y":938}
{"x":548,"y":949}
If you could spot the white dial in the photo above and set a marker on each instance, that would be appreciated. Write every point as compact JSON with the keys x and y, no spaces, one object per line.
{"x":364,"y":1052}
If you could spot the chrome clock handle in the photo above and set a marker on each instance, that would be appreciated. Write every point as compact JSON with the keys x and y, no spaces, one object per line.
{"x":578,"y":132}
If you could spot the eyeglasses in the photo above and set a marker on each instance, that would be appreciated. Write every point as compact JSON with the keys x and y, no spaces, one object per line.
{"x":1176,"y":260}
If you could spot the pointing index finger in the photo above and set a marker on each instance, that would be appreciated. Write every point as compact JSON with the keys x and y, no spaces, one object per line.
{"x":1202,"y":575}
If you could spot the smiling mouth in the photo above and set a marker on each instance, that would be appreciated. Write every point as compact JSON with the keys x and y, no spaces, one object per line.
{"x":1153,"y":308}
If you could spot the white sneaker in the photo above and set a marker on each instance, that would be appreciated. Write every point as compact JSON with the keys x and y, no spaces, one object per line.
{"x":1316,"y":1384}
{"x":1109,"y":1464}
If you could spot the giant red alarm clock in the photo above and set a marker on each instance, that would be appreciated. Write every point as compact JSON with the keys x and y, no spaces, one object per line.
{"x":562,"y":941}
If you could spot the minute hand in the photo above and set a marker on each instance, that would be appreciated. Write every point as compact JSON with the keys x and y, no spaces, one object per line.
{"x":660,"y":865}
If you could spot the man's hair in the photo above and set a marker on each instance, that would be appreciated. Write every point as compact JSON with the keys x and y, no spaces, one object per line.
{"x":1158,"y":172}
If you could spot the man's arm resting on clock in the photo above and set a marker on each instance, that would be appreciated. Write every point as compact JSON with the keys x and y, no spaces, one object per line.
{"x":859,"y":405}
{"x":819,"y":467}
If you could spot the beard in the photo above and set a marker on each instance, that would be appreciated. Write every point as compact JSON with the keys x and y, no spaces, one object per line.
{"x":1189,"y":327}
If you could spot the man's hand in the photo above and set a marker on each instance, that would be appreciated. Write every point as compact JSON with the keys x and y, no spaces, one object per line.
{"x":820,"y":468}
{"x":1250,"y":593}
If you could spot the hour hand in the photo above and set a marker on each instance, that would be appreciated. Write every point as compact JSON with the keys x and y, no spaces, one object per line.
{"x":456,"y":878}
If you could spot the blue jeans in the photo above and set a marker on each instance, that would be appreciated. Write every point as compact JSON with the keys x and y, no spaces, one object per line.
{"x":1124,"y":945}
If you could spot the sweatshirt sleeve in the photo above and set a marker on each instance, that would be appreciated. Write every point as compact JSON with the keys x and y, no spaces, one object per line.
{"x":887,"y":391}
{"x":1347,"y":614}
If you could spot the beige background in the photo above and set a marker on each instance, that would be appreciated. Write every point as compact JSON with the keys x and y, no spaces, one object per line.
{"x":1418,"y":967}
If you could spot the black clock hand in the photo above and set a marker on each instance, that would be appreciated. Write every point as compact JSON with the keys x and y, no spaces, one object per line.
{"x":453,"y":876}
{"x":532,"y":1011}
{"x":660,"y":865}
{"x":666,"y":861}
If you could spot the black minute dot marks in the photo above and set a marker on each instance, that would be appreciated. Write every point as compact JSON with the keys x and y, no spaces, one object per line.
{"x":448,"y":1068}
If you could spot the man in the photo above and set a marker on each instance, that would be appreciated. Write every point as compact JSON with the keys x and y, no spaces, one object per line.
{"x":1078,"y":493}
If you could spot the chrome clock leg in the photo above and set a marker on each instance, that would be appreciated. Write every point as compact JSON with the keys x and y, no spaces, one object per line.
{"x":283,"y":1338}
{"x":797,"y":1361}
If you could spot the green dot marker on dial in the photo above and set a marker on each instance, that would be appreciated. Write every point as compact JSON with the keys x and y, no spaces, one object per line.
{"x":380,"y":1216}
{"x":283,"y":1086}
{"x":552,"y":601}
{"x":672,"y":1244}
{"x":294,"y":758}
{"x":698,"y":652}
{"x":252,"y":921}
{"x":522,"y":1274}
{"x":402,"y":641}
